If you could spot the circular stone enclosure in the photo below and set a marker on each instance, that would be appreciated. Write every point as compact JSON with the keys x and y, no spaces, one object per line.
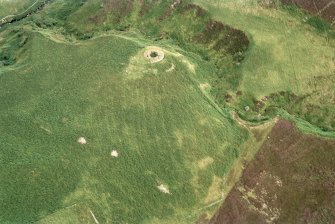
{"x":154,"y":54}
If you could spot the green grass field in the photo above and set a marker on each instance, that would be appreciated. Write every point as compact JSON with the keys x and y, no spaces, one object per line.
{"x":105,"y":90}
{"x":286,"y":55}
{"x":76,"y":70}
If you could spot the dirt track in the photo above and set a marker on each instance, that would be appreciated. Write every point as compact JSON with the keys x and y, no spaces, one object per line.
{"x":325,"y":8}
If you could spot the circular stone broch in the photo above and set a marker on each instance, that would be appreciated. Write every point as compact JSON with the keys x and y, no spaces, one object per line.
{"x":154,"y":54}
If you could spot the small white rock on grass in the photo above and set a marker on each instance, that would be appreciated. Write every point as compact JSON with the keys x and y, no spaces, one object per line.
{"x":114,"y":153}
{"x":82,"y":141}
{"x":164,"y":189}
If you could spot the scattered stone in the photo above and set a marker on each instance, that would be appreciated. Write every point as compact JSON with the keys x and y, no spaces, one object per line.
{"x":154,"y":54}
{"x":82,"y":141}
{"x":114,"y":153}
{"x":177,"y":2}
{"x":171,"y":68}
{"x":46,"y":129}
{"x":164,"y":189}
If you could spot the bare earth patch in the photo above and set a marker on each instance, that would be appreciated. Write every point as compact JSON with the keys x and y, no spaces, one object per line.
{"x":204,"y":86}
{"x":171,"y":68}
{"x":205,"y":162}
{"x":114,"y":153}
{"x":164,"y":189}
{"x":82,"y":141}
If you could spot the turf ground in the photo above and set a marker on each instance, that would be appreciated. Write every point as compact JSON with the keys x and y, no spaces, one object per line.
{"x":104,"y":89}
{"x":66,"y":73}
{"x":284,"y":52}
{"x":286,"y":55}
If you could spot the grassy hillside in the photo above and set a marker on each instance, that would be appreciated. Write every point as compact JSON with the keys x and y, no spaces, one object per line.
{"x":12,"y":11}
{"x":77,"y":69}
{"x":287,"y":66}
{"x":103,"y":89}
{"x":10,"y":7}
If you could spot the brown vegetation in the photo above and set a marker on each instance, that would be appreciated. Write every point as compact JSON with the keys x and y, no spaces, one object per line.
{"x":324,"y":8}
{"x":291,"y":180}
{"x":226,"y":37}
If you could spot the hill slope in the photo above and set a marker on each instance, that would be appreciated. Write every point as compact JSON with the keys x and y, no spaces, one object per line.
{"x":174,"y":145}
{"x":95,"y":132}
